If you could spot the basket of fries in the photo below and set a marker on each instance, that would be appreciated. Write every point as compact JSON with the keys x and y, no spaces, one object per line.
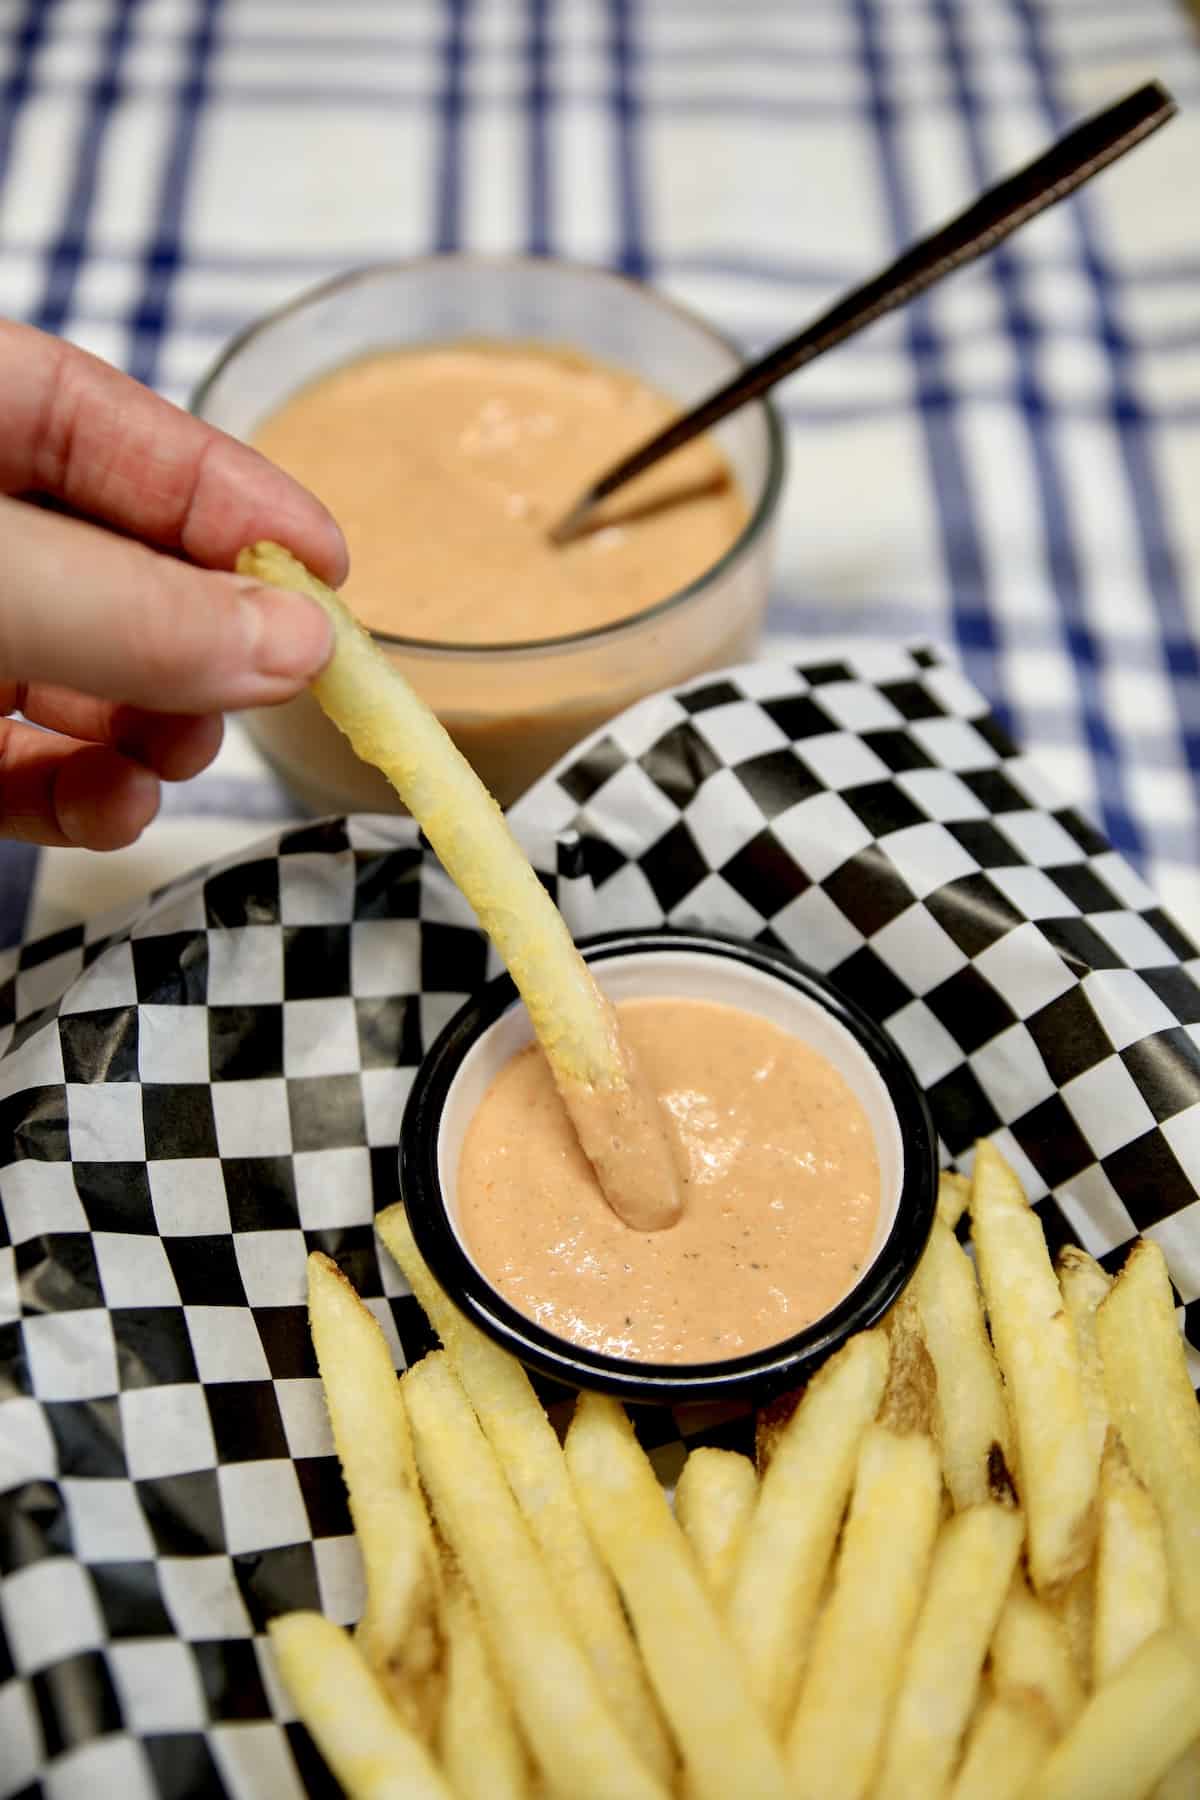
{"x":240,"y":1553}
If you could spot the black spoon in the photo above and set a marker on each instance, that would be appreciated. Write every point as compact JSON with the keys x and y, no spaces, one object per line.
{"x":998,"y":212}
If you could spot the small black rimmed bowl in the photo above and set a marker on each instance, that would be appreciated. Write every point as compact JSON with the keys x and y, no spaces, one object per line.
{"x":491,"y":1027}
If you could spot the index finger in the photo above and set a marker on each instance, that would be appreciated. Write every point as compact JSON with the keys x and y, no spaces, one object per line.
{"x":81,"y":431}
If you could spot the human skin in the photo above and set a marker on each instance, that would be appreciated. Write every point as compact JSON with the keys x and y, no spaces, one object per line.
{"x":123,"y":632}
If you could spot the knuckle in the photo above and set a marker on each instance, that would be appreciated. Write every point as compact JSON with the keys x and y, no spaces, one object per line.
{"x":173,"y":627}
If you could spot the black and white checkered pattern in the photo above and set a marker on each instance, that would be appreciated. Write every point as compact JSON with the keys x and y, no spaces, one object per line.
{"x":197,"y":1098}
{"x":1009,"y":468}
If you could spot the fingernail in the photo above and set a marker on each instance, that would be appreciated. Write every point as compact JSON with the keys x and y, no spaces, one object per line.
{"x":290,"y":636}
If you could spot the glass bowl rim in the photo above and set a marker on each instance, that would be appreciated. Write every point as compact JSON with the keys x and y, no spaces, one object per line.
{"x":748,"y":537}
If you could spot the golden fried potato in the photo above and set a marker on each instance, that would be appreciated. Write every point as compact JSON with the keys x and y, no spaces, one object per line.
{"x":1006,"y":1746}
{"x":789,"y":1540}
{"x":1035,"y":1346}
{"x":970,"y":1413}
{"x":909,"y":1399}
{"x":972,"y":1570}
{"x":554,"y":1694}
{"x":770,"y":1422}
{"x":1031,"y":1657}
{"x":697,"y":1674}
{"x":1132,"y":1600}
{"x":1132,"y":1729}
{"x":1152,"y":1405}
{"x":862,"y":1634}
{"x":399,"y":1631}
{"x":1084,"y":1285}
{"x":478,"y":1743}
{"x":530,"y":1454}
{"x":370,"y":1749}
{"x":954,"y":1193}
{"x":388,"y":724}
{"x":715,"y":1495}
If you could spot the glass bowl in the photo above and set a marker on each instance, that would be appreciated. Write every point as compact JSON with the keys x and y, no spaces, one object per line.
{"x":492,"y":697}
{"x":493,"y":1026}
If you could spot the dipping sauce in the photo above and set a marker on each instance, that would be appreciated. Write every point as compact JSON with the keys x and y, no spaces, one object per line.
{"x":780,"y":1204}
{"x":445,"y":467}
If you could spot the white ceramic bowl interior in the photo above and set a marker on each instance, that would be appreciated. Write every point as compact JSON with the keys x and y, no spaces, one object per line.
{"x":694,"y":975}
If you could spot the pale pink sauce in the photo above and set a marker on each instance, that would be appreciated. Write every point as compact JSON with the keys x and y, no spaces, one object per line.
{"x":780,"y":1202}
{"x":446,"y":466}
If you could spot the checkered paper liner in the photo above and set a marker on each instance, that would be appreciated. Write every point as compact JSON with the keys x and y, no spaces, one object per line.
{"x":198,"y":1095}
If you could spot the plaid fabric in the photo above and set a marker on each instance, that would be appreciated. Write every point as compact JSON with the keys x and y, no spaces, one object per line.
{"x":1006,"y":470}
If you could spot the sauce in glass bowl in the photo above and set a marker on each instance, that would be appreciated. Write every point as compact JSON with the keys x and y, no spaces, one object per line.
{"x":446,"y":466}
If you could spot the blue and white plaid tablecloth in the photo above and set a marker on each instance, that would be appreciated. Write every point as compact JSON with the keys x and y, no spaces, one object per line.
{"x":1010,"y":470}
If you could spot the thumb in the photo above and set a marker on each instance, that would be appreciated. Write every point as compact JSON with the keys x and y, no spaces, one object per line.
{"x":87,"y":610}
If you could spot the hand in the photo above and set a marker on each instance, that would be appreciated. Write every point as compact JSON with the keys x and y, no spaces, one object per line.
{"x":110,"y":635}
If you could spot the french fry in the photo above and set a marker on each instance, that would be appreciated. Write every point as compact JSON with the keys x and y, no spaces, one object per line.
{"x":909,"y":1397}
{"x":789,"y":1540}
{"x":1084,"y":1285}
{"x":696,"y":1672}
{"x":887,"y":1643}
{"x":370,"y":1749}
{"x":770,"y":1422}
{"x":1036,"y":1350}
{"x":1182,"y":1779}
{"x":528,"y":1451}
{"x":714,"y":1498}
{"x":571,"y":1731}
{"x":973,"y":1563}
{"x":1132,"y":1600}
{"x":368,"y":699}
{"x":1075,"y":1605}
{"x":1006,"y":1746}
{"x":399,"y":1631}
{"x":1152,"y":1405}
{"x":1032,"y":1660}
{"x":859,"y":1642}
{"x":479,"y":1745}
{"x":969,"y":1408}
{"x":1132,"y":1729}
{"x":954,"y":1193}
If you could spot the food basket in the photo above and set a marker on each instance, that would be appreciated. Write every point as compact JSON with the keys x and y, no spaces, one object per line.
{"x":200,"y":1092}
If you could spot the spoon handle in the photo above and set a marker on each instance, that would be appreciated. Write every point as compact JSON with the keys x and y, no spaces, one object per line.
{"x":998,"y":212}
